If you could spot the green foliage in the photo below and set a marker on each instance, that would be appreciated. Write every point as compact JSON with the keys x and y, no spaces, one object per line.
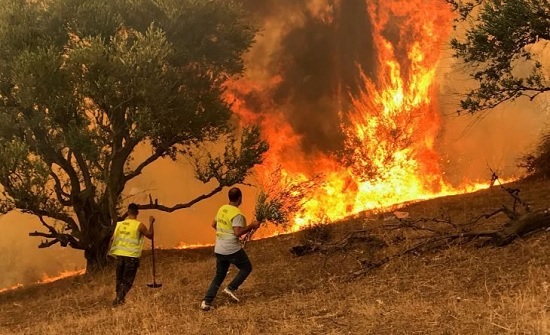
{"x":84,"y":83}
{"x":267,"y":210}
{"x":282,"y":199}
{"x":236,"y":162}
{"x":25,"y":177}
{"x":499,"y":36}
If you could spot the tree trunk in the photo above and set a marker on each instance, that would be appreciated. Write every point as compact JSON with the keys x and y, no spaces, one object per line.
{"x":96,"y":226}
{"x":96,"y":255}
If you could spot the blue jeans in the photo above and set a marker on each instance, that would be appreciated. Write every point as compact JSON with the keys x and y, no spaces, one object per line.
{"x":241,"y":261}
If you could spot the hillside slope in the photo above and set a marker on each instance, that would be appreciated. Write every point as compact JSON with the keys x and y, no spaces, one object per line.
{"x":466,"y":289}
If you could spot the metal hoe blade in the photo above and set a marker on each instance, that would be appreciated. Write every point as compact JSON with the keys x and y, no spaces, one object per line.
{"x":154,"y":285}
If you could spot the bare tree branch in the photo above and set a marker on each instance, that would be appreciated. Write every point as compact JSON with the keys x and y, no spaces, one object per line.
{"x":64,"y":239}
{"x":84,"y":169}
{"x":46,"y":244}
{"x":156,"y":155}
{"x":62,"y":197}
{"x":155,"y":205}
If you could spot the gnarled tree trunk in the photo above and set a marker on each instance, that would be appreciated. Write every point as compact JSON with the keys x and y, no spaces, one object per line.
{"x":96,"y":255}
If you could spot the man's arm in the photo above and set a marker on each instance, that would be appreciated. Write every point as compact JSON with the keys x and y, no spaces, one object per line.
{"x":149,"y":233}
{"x":240,"y":231}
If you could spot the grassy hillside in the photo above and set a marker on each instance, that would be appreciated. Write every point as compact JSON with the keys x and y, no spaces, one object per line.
{"x":466,"y":289}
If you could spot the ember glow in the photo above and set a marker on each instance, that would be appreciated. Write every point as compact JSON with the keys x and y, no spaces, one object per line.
{"x":65,"y":274}
{"x":184,"y":245}
{"x":389,"y":122}
{"x":14,"y":287}
{"x":47,"y":279}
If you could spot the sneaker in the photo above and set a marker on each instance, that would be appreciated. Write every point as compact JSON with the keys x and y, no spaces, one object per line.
{"x":205,"y":306}
{"x":231,"y":294}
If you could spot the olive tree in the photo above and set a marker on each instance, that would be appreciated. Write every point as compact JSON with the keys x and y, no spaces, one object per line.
{"x":505,"y":49}
{"x":84,"y":84}
{"x":500,"y":35}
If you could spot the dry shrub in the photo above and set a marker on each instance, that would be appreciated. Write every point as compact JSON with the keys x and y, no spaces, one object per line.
{"x":538,"y":163}
{"x":279,"y":201}
{"x":282,"y":198}
{"x":316,"y":234}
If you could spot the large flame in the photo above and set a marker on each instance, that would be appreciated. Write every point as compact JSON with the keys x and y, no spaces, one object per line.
{"x":390,"y":126}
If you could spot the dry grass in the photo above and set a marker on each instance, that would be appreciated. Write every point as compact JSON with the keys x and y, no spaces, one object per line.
{"x":458,"y":290}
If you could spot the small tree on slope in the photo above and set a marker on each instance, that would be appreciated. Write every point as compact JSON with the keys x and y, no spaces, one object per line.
{"x":506,"y":47}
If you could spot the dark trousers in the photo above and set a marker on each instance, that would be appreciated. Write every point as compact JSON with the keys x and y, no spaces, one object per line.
{"x":126,"y":270}
{"x":241,"y":261}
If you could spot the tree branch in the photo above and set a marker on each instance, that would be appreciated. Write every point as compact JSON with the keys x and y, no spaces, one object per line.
{"x":158,"y":153}
{"x":62,"y":197}
{"x":62,"y":238}
{"x":57,"y":216}
{"x":155,"y":205}
{"x":46,"y":244}
{"x":429,"y":243}
{"x":84,"y":169}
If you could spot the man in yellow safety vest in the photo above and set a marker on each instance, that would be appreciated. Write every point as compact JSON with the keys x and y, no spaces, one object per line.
{"x":126,"y":246}
{"x":230,"y":224}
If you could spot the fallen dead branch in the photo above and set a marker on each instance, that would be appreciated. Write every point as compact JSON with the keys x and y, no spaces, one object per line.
{"x":516,"y":226}
{"x":363,"y":236}
{"x":434,"y":233}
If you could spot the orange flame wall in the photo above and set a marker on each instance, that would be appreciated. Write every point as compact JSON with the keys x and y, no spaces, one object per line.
{"x":345,"y":90}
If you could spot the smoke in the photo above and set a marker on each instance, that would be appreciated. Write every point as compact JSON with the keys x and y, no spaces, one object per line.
{"x":22,"y":262}
{"x":315,"y":48}
{"x":473,"y":145}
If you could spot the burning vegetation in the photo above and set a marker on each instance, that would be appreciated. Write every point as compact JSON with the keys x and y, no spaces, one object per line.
{"x":368,"y":130}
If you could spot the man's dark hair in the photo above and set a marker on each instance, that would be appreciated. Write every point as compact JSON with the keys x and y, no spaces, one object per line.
{"x":234,"y":194}
{"x":133,"y":209}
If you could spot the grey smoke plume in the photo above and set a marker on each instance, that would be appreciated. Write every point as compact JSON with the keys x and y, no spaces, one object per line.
{"x":317,"y":47}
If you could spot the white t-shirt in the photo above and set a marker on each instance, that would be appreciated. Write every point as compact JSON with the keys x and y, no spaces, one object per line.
{"x":228,"y":246}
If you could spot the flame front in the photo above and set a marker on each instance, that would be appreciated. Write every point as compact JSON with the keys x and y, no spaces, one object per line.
{"x":389,"y":128}
{"x":47,"y":279}
{"x":64,"y":274}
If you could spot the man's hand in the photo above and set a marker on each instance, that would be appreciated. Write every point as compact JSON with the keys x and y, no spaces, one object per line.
{"x":255,"y":224}
{"x":149,"y":233}
{"x":240,"y":231}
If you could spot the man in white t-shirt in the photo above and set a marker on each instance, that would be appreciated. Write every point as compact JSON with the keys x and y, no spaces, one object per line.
{"x":230,"y":224}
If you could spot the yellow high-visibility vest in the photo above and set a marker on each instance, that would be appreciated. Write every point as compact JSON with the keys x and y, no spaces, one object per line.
{"x":127,"y":240}
{"x":224,"y":226}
